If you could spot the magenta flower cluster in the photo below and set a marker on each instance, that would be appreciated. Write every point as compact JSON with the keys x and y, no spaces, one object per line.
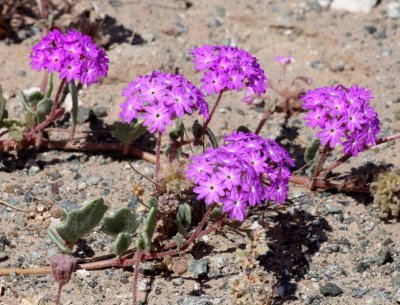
{"x":160,"y":98}
{"x":74,"y":55}
{"x":229,"y":68}
{"x":245,"y":171}
{"x":344,"y":115}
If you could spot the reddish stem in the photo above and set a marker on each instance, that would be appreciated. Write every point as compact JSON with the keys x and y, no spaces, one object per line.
{"x":264,"y":119}
{"x":322,"y":158}
{"x":54,"y":114}
{"x":86,"y":146}
{"x":158,"y":156}
{"x":213,"y":109}
{"x":137,"y":260}
{"x":344,"y":158}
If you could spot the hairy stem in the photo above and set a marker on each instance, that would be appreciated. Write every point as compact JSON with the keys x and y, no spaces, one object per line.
{"x":58,"y":297}
{"x":264,"y":119}
{"x":322,"y":158}
{"x":53,"y":115}
{"x":345,"y":157}
{"x":158,"y":156}
{"x":74,"y":111}
{"x":213,"y":109}
{"x":86,"y":146}
{"x":137,"y":260}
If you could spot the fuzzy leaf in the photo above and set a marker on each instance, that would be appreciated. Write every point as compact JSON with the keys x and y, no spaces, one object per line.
{"x":127,"y":133}
{"x":146,"y":240}
{"x":311,"y":150}
{"x":43,"y":109}
{"x":16,"y":132}
{"x":197,"y":129}
{"x":140,"y":244}
{"x":153,"y":202}
{"x":2,"y":105}
{"x":81,"y":221}
{"x":183,"y":218}
{"x":35,"y":97}
{"x":123,"y":220}
{"x":150,"y":222}
{"x":24,"y":101}
{"x":122,"y":243}
{"x":9,"y":122}
{"x":49,"y":86}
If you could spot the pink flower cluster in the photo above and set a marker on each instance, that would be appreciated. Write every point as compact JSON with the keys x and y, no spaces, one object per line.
{"x":73,"y":55}
{"x":160,"y":98}
{"x":245,"y":171}
{"x":229,"y":68}
{"x":344,"y":116}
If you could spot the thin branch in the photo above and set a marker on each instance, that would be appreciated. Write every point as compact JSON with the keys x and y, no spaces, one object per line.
{"x":12,"y":207}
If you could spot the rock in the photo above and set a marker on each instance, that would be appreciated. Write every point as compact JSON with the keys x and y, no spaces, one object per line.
{"x":105,"y":192}
{"x":33,"y":170}
{"x":324,"y":3}
{"x":68,"y":103}
{"x":178,"y":281}
{"x":371,"y":29}
{"x":22,"y":73}
{"x":198,"y":267}
{"x":333,"y":210}
{"x":14,"y":189}
{"x":68,"y":205}
{"x":92,"y":180}
{"x":354,"y":6}
{"x":82,"y":273}
{"x":194,"y":300}
{"x":83,"y":115}
{"x":29,"y":196}
{"x":393,"y":10}
{"x":396,"y":280}
{"x":364,"y":265}
{"x":330,"y":290}
{"x":100,"y":111}
{"x":358,"y":292}
{"x":144,"y":285}
{"x":384,"y":256}
{"x":335,"y":270}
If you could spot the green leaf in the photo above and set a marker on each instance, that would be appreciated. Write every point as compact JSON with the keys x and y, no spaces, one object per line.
{"x":3,"y":103}
{"x":9,"y":122}
{"x":312,"y":150}
{"x":241,"y":253}
{"x":127,"y":133}
{"x":35,"y":97}
{"x":153,"y":202}
{"x":81,"y":221}
{"x":197,"y":129}
{"x":49,"y":86}
{"x":140,"y":244}
{"x":74,"y":96}
{"x":24,"y":101}
{"x":123,"y":220}
{"x":183,"y":218}
{"x":53,"y":236}
{"x":16,"y":132}
{"x":150,"y":222}
{"x":43,"y":109}
{"x":122,"y":243}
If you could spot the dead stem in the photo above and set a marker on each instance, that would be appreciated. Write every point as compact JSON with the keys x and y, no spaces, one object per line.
{"x":12,"y":207}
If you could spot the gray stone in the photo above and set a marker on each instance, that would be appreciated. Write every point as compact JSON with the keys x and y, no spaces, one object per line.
{"x":393,"y":10}
{"x":100,"y":111}
{"x":384,"y":256}
{"x":14,"y":189}
{"x":68,"y":205}
{"x":333,"y":210}
{"x":22,"y":73}
{"x":29,"y":196}
{"x":358,"y":292}
{"x":33,"y":170}
{"x":396,"y":280}
{"x":194,"y":300}
{"x":364,"y":265}
{"x":105,"y":192}
{"x":198,"y":267}
{"x":92,"y":180}
{"x":178,"y":281}
{"x":144,"y":285}
{"x":83,"y":115}
{"x":324,"y":3}
{"x":354,"y":6}
{"x":330,"y":290}
{"x":335,"y":270}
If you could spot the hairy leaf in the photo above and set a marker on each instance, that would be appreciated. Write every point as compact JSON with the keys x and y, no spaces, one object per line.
{"x":127,"y":133}
{"x":123,"y":220}
{"x":311,"y":150}
{"x":122,"y":243}
{"x":81,"y":221}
